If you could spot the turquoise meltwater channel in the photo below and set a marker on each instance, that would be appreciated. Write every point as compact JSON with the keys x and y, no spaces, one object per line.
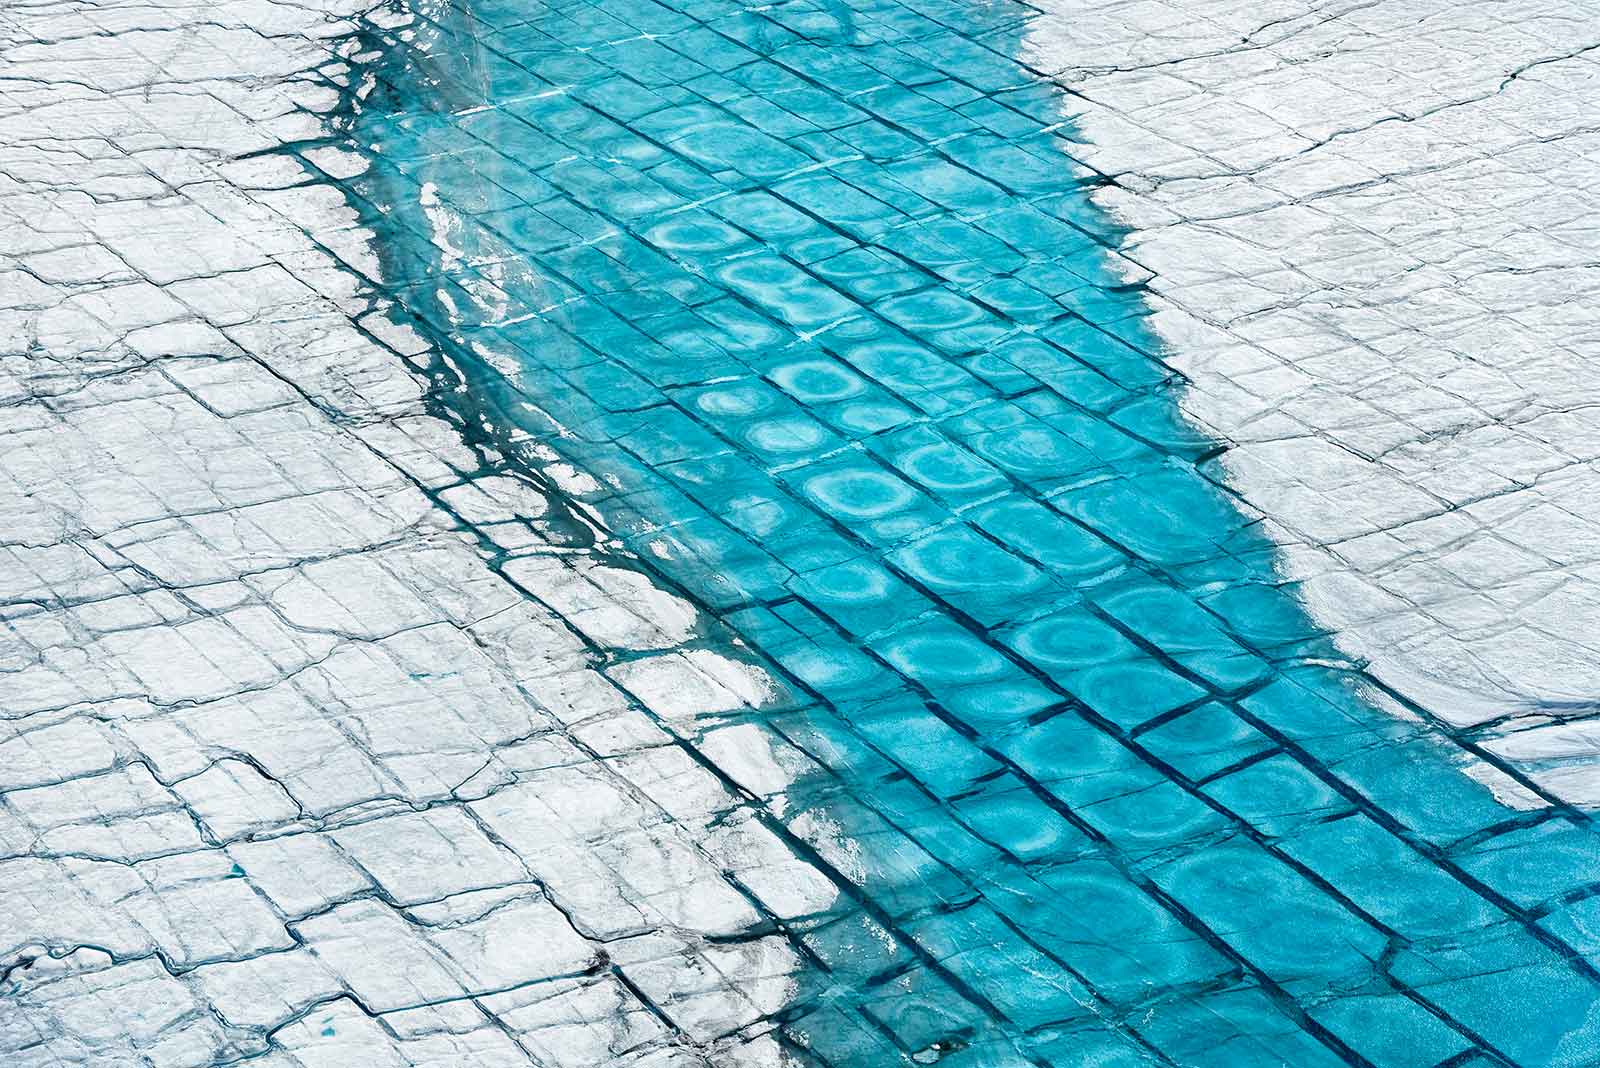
{"x":816,"y":298}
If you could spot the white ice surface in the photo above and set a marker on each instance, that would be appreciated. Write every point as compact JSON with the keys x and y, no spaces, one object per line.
{"x":288,"y":771}
{"x":1375,"y":256}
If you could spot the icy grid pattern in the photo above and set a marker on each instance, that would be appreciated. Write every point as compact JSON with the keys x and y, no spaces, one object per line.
{"x":1369,"y":228}
{"x":639,"y":535}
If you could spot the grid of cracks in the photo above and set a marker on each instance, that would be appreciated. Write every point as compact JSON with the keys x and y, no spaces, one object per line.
{"x":1128,"y":739}
{"x":1558,"y":810}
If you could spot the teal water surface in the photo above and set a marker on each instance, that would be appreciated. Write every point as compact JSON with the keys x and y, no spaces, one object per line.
{"x":817,"y":294}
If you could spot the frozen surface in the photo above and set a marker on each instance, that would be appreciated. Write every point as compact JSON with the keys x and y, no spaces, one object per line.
{"x":665,"y":535}
{"x":1372,"y":231}
{"x":307,"y":753}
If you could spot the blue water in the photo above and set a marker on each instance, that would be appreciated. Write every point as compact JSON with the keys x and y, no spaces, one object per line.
{"x":816,"y":291}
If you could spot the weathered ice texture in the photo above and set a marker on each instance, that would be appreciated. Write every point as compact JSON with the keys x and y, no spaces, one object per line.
{"x":663,"y":534}
{"x":306,"y":756}
{"x":1372,"y":233}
